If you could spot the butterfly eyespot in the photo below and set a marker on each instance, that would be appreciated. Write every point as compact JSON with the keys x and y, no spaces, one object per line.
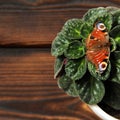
{"x":102,"y":66}
{"x":101,"y":26}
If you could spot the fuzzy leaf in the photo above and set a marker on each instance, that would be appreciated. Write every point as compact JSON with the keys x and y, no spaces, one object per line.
{"x":72,"y":90}
{"x":115,"y":31}
{"x":58,"y":66}
{"x":64,"y":82}
{"x":115,"y":34}
{"x":104,"y":76}
{"x":113,"y":45}
{"x":75,"y":69}
{"x":86,"y":30}
{"x":98,"y":14}
{"x":112,"y":9}
{"x":72,"y":28}
{"x":115,"y":71}
{"x":59,"y":45}
{"x":75,"y":50}
{"x":112,"y":95}
{"x":116,"y":17}
{"x":90,"y":89}
{"x":117,"y":40}
{"x":67,"y":85}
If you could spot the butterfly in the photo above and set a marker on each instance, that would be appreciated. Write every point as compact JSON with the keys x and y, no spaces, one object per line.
{"x":98,"y":47}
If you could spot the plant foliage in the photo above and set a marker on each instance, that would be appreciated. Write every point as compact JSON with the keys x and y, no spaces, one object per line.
{"x":77,"y":76}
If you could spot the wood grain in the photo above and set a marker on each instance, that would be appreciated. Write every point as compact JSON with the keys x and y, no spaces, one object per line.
{"x":36,"y":22}
{"x":28,"y":90}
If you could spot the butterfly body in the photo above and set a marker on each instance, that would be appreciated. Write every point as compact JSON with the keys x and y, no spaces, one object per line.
{"x":98,"y":47}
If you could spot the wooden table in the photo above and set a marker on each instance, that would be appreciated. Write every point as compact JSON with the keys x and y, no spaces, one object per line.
{"x":27,"y":88}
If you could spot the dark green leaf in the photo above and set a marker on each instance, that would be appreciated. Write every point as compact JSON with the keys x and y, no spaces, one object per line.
{"x":93,"y":13}
{"x":112,"y":95}
{"x":75,"y":50}
{"x":112,"y":9}
{"x":58,"y":66}
{"x":86,"y":30}
{"x":59,"y":45}
{"x":67,"y":85}
{"x":115,"y":71}
{"x":116,"y":17}
{"x":64,"y":82}
{"x":75,"y":69}
{"x":90,"y":89}
{"x":113,"y":45}
{"x":98,"y":14}
{"x":115,"y":31}
{"x":117,"y":40}
{"x":72,"y":90}
{"x":115,"y":34}
{"x":72,"y":28}
{"x":104,"y":76}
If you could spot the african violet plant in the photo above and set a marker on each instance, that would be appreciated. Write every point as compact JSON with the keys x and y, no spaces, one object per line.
{"x":75,"y":67}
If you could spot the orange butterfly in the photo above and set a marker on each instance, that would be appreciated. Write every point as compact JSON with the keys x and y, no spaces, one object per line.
{"x":98,"y":47}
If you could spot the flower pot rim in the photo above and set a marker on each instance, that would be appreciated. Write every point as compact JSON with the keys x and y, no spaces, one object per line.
{"x":101,"y":113}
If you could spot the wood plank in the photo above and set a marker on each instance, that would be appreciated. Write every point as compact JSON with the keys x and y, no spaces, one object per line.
{"x":36,"y":23}
{"x":29,"y":92}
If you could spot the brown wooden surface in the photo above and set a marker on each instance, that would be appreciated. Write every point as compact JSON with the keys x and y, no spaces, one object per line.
{"x":27,"y":88}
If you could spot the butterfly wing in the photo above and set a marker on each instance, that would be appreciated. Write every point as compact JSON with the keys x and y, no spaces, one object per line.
{"x":98,"y":57}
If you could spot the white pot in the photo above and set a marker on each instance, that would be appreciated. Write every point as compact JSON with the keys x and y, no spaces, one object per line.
{"x":99,"y":112}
